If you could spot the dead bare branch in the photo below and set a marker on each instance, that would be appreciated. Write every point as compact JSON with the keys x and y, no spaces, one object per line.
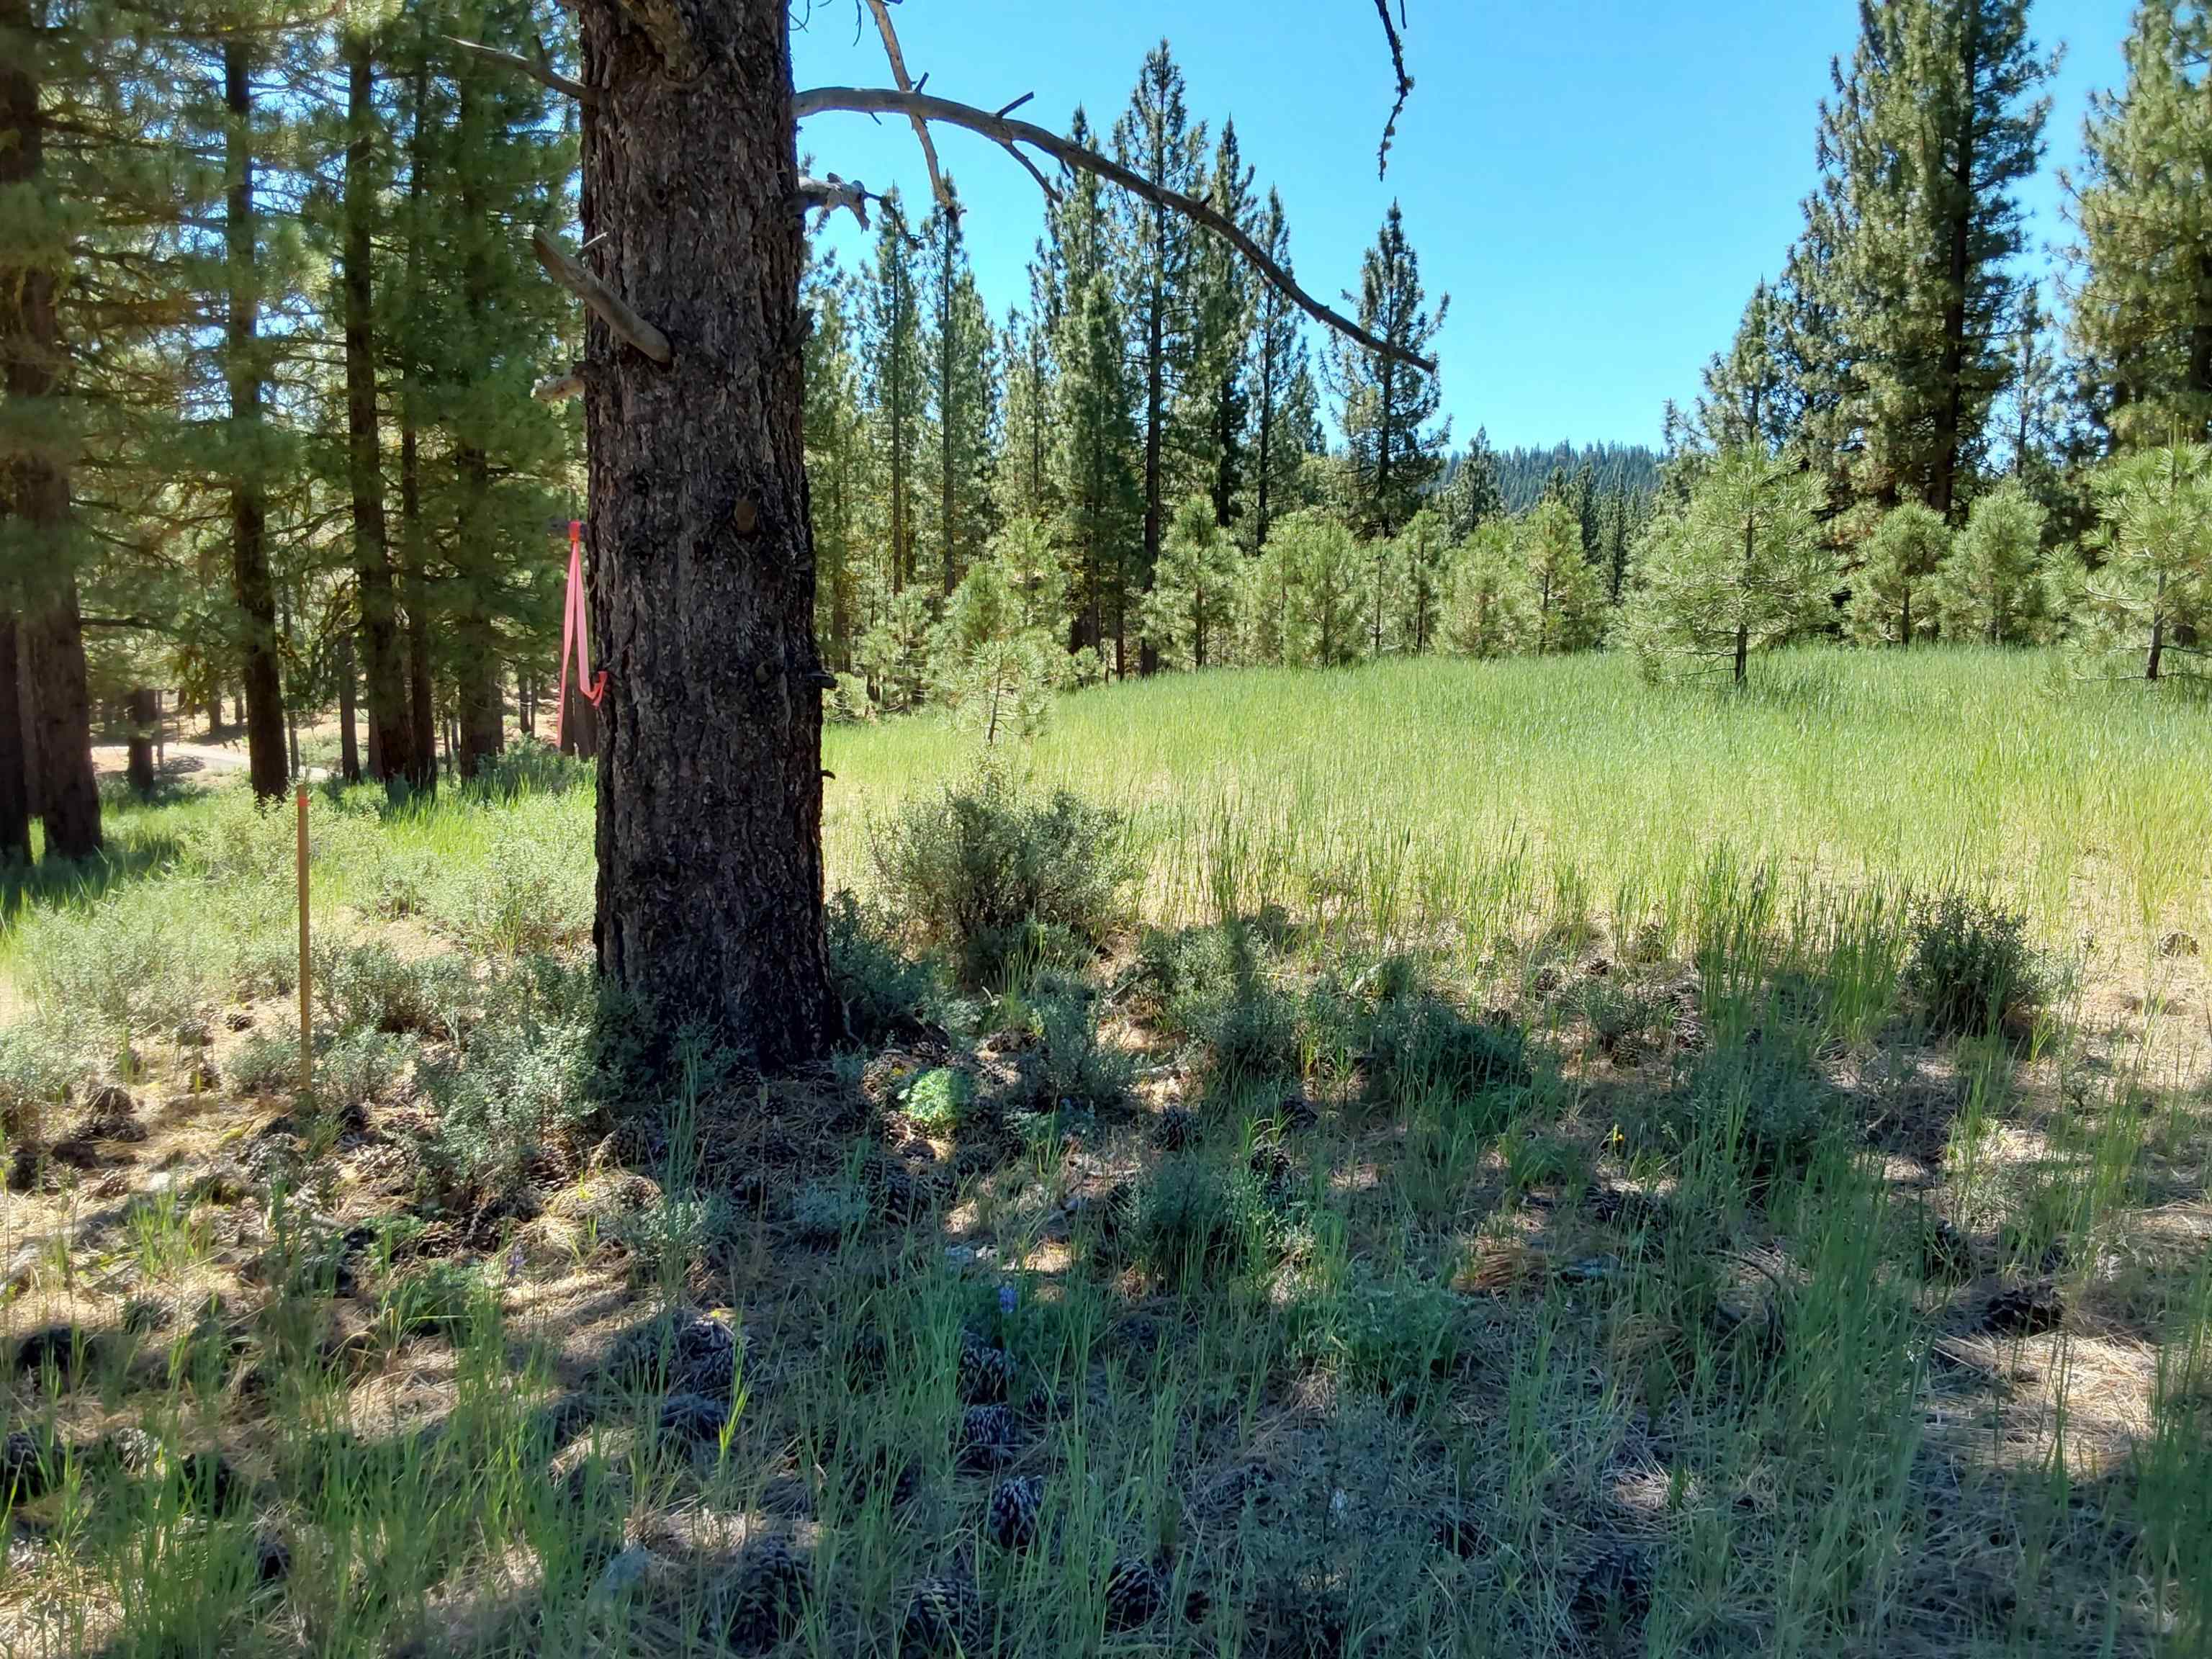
{"x":537,"y":68}
{"x":1405,"y":84}
{"x":611,"y":308}
{"x":559,"y":388}
{"x":883,"y":14}
{"x":868,"y":101}
{"x":833,"y":192}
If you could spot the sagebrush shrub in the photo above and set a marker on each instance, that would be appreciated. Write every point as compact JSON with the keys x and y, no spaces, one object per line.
{"x":992,"y":877}
{"x":886,"y":993}
{"x":1183,"y":1221}
{"x":1070,"y":1068}
{"x":1969,"y":967}
{"x":1211,"y":987}
{"x":519,"y":1086}
{"x":368,"y":985}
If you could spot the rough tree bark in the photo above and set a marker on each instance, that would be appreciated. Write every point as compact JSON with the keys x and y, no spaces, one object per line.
{"x":267,"y":764}
{"x":422,"y":718}
{"x":348,"y":737}
{"x":14,"y":787}
{"x":391,"y":738}
{"x":703,"y":580}
{"x":35,"y":488}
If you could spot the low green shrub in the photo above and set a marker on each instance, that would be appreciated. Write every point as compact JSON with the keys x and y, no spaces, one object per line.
{"x":1420,"y":1048}
{"x":993,"y":879}
{"x":1183,"y":1222}
{"x":886,"y":993}
{"x":369,"y":986}
{"x":1070,"y":1068}
{"x":520,"y":1085}
{"x":1210,"y":986}
{"x":1969,"y":967}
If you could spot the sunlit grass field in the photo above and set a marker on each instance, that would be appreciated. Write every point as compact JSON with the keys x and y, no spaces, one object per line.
{"x":1429,"y":792}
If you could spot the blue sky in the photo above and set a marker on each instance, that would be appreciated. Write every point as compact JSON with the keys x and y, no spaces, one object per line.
{"x":1596,"y":183}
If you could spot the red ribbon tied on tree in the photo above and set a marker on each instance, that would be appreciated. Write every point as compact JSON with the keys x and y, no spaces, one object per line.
{"x":575,"y":639}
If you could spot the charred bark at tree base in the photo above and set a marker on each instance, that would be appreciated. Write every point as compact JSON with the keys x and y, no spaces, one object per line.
{"x":702,"y":578}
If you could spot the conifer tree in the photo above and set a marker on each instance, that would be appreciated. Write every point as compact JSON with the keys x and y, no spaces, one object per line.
{"x":2143,"y":610}
{"x":41,"y":630}
{"x":1737,"y":568}
{"x":957,"y":348}
{"x":1566,"y":597}
{"x":1281,"y":396}
{"x":1489,"y":603}
{"x":1423,"y":558}
{"x":1747,"y":392}
{"x":836,"y":439}
{"x":1933,"y":128}
{"x":893,"y":372}
{"x":1991,"y":586}
{"x":1322,"y":571}
{"x":1155,"y":139}
{"x":2142,"y":322}
{"x":1890,"y":603}
{"x":1023,"y":477}
{"x":1388,"y":409}
{"x":1215,"y":416}
{"x":1188,"y":613}
{"x":1471,"y":495}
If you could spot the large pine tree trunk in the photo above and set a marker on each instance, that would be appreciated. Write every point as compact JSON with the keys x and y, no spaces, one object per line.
{"x":251,"y":588}
{"x":391,"y":737}
{"x":710,"y":765}
{"x":61,"y":704}
{"x":348,"y":735}
{"x":421,"y":717}
{"x":144,"y":722}
{"x":34,"y":485}
{"x":15,"y":775}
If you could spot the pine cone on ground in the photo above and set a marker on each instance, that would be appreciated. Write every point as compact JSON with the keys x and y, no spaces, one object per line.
{"x":944,"y":1615}
{"x":985,"y":1371}
{"x":767,"y":1596}
{"x":987,"y":1437}
{"x":1011,"y":1520}
{"x":1135,"y":1592}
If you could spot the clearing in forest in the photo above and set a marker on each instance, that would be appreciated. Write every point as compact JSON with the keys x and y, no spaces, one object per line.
{"x":1440,"y":1158}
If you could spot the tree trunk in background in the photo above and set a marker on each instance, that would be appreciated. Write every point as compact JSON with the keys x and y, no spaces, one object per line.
{"x":710,"y":759}
{"x":15,"y":775}
{"x":144,"y":720}
{"x":580,"y":726}
{"x":422,"y":719}
{"x":34,"y":482}
{"x":349,"y":744}
{"x":390,"y":745}
{"x":69,"y":794}
{"x":251,"y":587}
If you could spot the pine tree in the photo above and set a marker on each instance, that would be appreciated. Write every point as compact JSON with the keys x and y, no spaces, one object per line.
{"x":1321,"y":563}
{"x":2142,"y":321}
{"x":1215,"y":413}
{"x":1022,"y":476}
{"x":1281,"y":396}
{"x":1738,"y":568}
{"x":1155,"y":139}
{"x":1489,"y":606}
{"x":1096,"y":465}
{"x":1566,"y":599}
{"x":1188,"y":615}
{"x":836,"y":463}
{"x":1471,"y":495}
{"x":892,"y":370}
{"x":1747,"y":395}
{"x":1992,"y":587}
{"x":1423,"y":560}
{"x":1386,"y":408}
{"x":1899,"y":561}
{"x":41,"y":632}
{"x":1933,"y":128}
{"x":2143,"y":608}
{"x":957,"y":347}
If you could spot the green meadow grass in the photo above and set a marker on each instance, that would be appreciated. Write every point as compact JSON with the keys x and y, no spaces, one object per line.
{"x":1673,"y":1339}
